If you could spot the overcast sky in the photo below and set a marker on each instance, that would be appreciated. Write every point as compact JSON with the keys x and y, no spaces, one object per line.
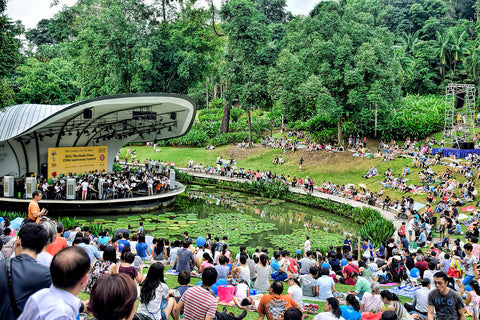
{"x":32,"y":11}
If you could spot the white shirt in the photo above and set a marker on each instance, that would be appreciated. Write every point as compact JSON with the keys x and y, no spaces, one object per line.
{"x":152,"y":309}
{"x":51,"y":304}
{"x":307,"y":245}
{"x":245,"y":273}
{"x":296,"y":292}
{"x":44,"y":258}
{"x":326,"y":316}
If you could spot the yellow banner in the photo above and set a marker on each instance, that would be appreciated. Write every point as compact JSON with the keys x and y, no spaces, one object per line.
{"x":76,"y":160}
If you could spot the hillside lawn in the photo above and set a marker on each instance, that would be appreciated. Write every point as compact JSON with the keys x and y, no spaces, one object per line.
{"x":339,"y":167}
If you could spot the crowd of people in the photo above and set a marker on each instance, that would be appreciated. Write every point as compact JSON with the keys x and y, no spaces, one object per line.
{"x":62,"y":263}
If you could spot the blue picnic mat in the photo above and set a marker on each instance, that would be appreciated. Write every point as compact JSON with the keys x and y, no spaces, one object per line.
{"x":405,"y":291}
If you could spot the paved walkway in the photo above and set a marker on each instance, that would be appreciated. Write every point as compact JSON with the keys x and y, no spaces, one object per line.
{"x":386,"y":214}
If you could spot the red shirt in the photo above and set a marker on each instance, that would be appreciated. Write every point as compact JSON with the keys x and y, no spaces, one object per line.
{"x":348,"y":269}
{"x":57,"y":245}
{"x":291,"y":266}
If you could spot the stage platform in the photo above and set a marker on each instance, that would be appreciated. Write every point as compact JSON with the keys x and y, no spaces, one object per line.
{"x":459,"y":153}
{"x":103,"y":207}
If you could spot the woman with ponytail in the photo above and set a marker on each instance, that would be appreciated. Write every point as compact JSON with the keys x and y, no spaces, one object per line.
{"x":262,"y":283}
{"x":391,"y":300}
{"x":332,"y":311}
{"x":352,"y":310}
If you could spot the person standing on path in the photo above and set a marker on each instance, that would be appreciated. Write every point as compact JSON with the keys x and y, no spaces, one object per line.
{"x":34,"y":212}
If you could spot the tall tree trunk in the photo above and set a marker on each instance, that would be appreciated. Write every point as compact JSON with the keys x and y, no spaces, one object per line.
{"x":206,"y":92}
{"x":249,"y":128}
{"x":339,"y":134}
{"x":226,"y":115}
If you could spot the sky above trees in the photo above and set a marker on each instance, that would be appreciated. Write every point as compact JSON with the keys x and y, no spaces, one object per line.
{"x":30,"y":12}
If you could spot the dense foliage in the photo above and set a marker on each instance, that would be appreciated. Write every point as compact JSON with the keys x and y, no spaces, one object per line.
{"x":328,"y":72}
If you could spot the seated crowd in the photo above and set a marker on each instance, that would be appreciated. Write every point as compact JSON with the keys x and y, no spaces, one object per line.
{"x":60,"y":264}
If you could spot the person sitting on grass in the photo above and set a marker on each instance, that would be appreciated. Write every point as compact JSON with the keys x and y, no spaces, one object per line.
{"x":361,"y":285}
{"x":125,"y":266}
{"x":156,"y":301}
{"x":275,"y":298}
{"x":372,"y":302}
{"x":332,"y":311}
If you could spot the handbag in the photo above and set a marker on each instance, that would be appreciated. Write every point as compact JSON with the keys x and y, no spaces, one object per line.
{"x":454,"y":270}
{"x":225,"y":293}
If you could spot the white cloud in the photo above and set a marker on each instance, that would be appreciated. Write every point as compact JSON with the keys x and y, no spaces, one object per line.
{"x":30,"y":12}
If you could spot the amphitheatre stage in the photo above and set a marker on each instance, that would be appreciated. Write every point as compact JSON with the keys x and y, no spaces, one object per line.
{"x":136,"y":204}
{"x":67,"y":143}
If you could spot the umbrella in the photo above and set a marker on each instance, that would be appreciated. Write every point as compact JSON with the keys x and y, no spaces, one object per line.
{"x":123,"y":230}
{"x":361,"y":185}
{"x":16,"y":223}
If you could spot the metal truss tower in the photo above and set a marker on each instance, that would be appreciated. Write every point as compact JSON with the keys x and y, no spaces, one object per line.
{"x":459,"y":114}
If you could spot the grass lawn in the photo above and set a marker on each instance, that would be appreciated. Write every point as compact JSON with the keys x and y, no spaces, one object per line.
{"x":172,"y":282}
{"x":340,"y":168}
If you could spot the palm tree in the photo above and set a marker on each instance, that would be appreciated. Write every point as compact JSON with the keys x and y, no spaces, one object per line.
{"x":458,"y":47}
{"x":441,"y":45}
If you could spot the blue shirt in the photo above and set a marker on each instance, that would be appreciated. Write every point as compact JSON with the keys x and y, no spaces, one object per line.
{"x":348,"y":313}
{"x":141,"y":249}
{"x":274,"y":265}
{"x":92,"y":251}
{"x":422,"y":238}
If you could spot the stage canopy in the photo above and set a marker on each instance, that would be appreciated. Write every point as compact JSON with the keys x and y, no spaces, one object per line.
{"x":28,"y":130}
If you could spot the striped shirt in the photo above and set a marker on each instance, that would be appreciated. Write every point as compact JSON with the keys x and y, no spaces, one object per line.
{"x":198,"y":303}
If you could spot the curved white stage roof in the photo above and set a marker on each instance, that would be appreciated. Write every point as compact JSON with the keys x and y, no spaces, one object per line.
{"x":28,"y":130}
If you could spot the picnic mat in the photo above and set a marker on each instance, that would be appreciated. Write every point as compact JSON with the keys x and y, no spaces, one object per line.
{"x":405,"y":291}
{"x":390,"y":284}
{"x":172,"y":272}
{"x":468,"y":209}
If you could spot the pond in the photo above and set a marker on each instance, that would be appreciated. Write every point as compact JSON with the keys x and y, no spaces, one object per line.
{"x":247,"y":220}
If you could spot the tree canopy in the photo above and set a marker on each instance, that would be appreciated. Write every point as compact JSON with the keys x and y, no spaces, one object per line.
{"x":331,"y":68}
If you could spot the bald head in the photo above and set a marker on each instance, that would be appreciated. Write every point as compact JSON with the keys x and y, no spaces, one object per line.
{"x":68,"y":267}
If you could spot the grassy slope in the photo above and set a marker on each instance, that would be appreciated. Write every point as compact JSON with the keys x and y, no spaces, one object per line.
{"x":340,"y":168}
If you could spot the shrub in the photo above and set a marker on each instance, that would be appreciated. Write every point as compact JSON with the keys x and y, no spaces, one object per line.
{"x":210,"y":114}
{"x":210,"y":128}
{"x":235,"y":114}
{"x":325,"y":135}
{"x":194,"y":138}
{"x":230,"y":137}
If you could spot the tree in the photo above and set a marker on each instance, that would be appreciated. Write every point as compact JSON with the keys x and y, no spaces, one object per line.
{"x":441,"y":45}
{"x":9,"y":44}
{"x":52,"y":82}
{"x":249,"y":55}
{"x":351,"y":59}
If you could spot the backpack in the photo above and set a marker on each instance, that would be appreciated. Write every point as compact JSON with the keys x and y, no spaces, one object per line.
{"x":399,"y":270}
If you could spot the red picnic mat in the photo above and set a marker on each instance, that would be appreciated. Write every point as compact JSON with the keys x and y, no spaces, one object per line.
{"x":468,"y":209}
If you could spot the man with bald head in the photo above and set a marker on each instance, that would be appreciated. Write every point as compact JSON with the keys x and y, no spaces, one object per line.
{"x":69,"y":272}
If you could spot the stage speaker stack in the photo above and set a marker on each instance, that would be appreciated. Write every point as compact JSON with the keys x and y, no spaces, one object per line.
{"x":467,"y":145}
{"x":71,"y":189}
{"x":8,"y":187}
{"x":100,"y":187}
{"x":172,"y":179}
{"x":29,"y":187}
